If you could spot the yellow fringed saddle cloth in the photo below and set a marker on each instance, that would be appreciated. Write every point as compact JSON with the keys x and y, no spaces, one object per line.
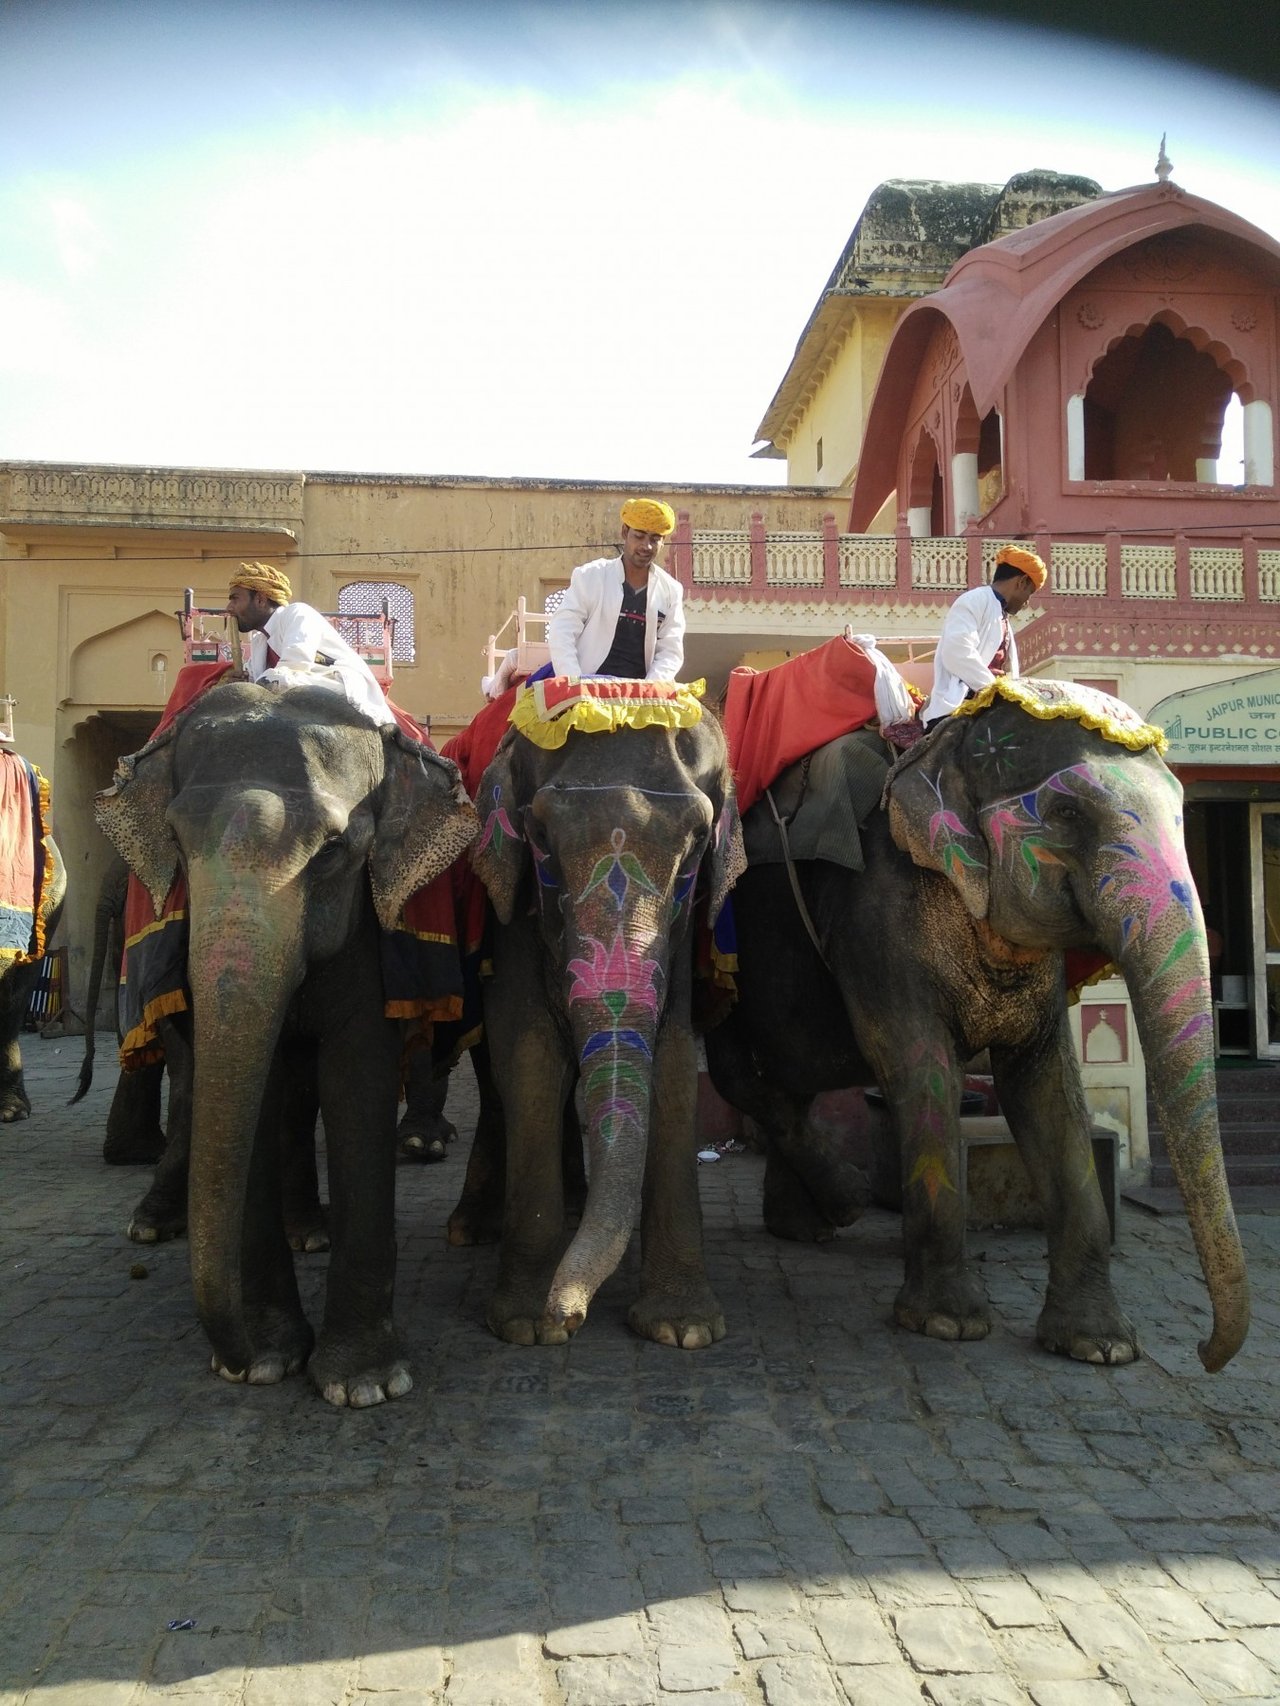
{"x":546,"y":712}
{"x":1044,"y":698}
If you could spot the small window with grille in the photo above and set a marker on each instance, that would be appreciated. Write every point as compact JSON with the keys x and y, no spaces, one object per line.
{"x":364,"y":598}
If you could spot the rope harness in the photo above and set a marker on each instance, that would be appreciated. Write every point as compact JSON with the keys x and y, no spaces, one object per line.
{"x":789,"y":862}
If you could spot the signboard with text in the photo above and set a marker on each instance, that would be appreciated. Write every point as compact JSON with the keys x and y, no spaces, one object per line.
{"x":1228,"y":722}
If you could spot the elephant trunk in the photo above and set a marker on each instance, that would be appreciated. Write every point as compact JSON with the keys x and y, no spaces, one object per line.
{"x":246,"y":961}
{"x":614,"y":1001}
{"x":1166,"y":967}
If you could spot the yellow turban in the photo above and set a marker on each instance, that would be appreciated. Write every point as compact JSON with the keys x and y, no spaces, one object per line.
{"x":261,"y":577}
{"x":648,"y":516}
{"x":1023,"y":559}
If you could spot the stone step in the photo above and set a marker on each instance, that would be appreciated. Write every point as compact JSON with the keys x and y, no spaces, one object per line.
{"x":1260,"y":1139}
{"x":1232,"y":1097}
{"x":1242,"y":1170}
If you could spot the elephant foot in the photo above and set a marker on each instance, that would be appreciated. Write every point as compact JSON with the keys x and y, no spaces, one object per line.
{"x":476,"y":1220}
{"x":690,"y":1318}
{"x":946,"y":1307}
{"x":157,"y":1219}
{"x":518,"y":1312}
{"x":790,"y":1212}
{"x":425,"y":1134}
{"x":428,"y":1147}
{"x":1110,"y":1340}
{"x":307,"y":1229}
{"x":133,"y":1151}
{"x":14,"y":1105}
{"x":359,"y":1369}
{"x":282,"y":1344}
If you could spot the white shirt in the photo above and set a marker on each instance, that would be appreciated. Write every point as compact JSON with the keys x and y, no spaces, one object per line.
{"x":312,"y":652}
{"x":970,"y":638}
{"x":580,"y":633}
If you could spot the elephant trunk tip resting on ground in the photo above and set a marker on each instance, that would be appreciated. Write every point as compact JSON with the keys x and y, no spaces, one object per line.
{"x":301,"y":828}
{"x":591,"y":853}
{"x":1008,"y":838}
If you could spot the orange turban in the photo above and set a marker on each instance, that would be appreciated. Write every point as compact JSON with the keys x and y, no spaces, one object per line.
{"x":1022,"y":558}
{"x":261,"y":577}
{"x":646,"y":515}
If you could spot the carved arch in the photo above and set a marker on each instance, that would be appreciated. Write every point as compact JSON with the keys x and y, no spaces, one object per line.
{"x":116,"y":666}
{"x":1202,"y":341}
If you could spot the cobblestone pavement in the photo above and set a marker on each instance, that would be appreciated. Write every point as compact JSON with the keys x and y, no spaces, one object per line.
{"x":820,"y":1510}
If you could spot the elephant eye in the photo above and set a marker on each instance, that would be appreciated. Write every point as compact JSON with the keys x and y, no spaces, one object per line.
{"x":331,"y":850}
{"x":1069,"y":816}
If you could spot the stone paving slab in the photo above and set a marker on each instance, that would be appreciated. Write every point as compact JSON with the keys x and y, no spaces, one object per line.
{"x":819,"y":1509}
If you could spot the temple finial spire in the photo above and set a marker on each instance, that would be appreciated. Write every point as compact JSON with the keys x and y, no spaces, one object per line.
{"x":1164,"y":165}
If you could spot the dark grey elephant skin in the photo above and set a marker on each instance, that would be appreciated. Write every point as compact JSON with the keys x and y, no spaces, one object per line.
{"x":134,"y":1134}
{"x":16,"y":985}
{"x":590,"y":855}
{"x":162,"y":1212}
{"x":1005,"y":841}
{"x":300,"y":828}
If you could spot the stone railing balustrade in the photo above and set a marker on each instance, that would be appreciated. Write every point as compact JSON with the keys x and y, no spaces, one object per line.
{"x":879,"y":568}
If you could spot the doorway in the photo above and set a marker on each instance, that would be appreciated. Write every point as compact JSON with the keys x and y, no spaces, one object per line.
{"x":1264,"y":886}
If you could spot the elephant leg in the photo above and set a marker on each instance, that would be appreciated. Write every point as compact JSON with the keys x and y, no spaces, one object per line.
{"x":16,"y":985}
{"x":676,"y":1305}
{"x":1042,"y":1100}
{"x":135,"y":1136}
{"x":162,"y":1213}
{"x":358,"y":1359}
{"x":477,"y":1218}
{"x":939,"y":1297}
{"x":276,"y":1328}
{"x":788,"y":1207}
{"x":424,"y":1133}
{"x":810,"y":1186}
{"x":306,"y":1222}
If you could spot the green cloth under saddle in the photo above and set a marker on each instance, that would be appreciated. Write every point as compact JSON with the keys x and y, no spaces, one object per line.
{"x":823,"y":809}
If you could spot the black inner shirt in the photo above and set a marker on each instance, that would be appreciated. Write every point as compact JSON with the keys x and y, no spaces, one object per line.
{"x":626,"y":654}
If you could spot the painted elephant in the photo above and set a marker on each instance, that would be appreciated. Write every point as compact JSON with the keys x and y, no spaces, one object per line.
{"x":300,"y":828}
{"x":134,"y":1134}
{"x":590,"y":854}
{"x":1006,"y":838}
{"x":25,"y":795}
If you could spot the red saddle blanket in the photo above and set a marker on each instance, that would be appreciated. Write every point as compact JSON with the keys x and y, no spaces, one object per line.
{"x":772,"y":717}
{"x":25,"y":865}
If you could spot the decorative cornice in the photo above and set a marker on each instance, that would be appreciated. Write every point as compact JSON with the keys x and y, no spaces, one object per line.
{"x":881,"y":611}
{"x":146,"y":496}
{"x":1149,"y":636}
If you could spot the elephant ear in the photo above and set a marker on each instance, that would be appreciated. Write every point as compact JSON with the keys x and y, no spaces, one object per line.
{"x":501,"y":856}
{"x":133,"y":815}
{"x":424,"y":821}
{"x":933,"y":815}
{"x":727,"y":856}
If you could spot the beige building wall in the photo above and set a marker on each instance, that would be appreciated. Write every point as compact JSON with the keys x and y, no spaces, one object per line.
{"x":834,"y":411}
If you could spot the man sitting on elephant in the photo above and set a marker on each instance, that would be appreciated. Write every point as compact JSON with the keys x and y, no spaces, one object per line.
{"x":290,"y":643}
{"x":976,"y":644}
{"x":623,"y":615}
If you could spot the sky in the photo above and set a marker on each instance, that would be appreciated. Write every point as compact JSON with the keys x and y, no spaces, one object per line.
{"x":518,"y":240}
